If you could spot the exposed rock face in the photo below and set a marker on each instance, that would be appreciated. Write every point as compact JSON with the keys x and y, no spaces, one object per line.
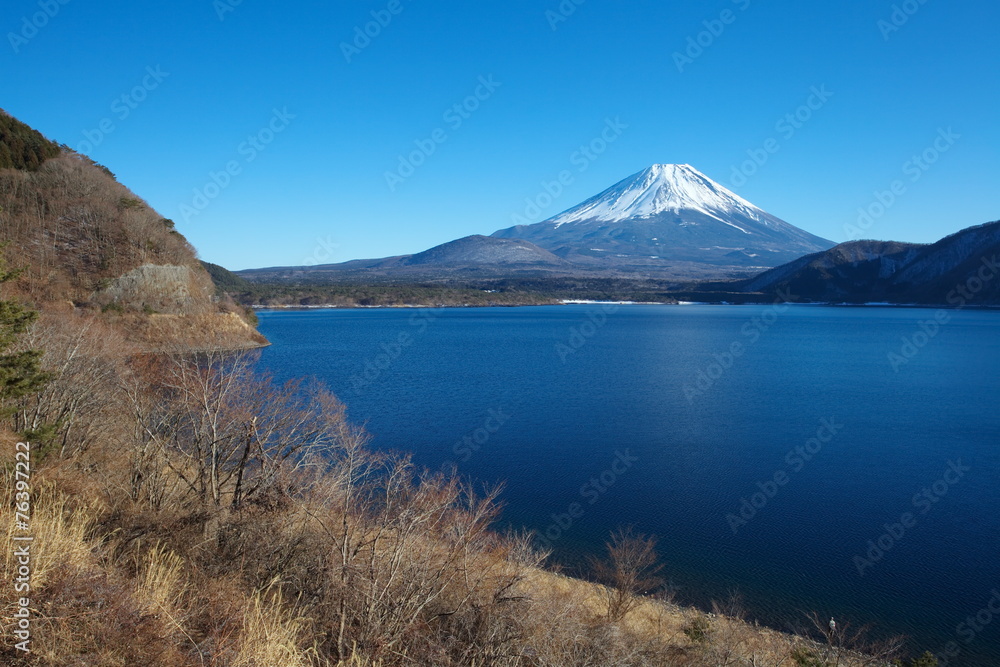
{"x":164,"y":289}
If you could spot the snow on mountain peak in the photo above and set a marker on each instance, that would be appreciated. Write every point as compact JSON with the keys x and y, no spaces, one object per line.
{"x":662,"y":188}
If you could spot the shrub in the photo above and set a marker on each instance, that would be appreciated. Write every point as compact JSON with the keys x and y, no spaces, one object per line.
{"x":698,"y":630}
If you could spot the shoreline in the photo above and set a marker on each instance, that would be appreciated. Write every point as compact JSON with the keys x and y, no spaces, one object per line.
{"x":584,"y":302}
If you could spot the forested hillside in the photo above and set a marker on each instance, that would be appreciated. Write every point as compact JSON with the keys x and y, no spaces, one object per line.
{"x":21,"y":147}
{"x":80,"y":239}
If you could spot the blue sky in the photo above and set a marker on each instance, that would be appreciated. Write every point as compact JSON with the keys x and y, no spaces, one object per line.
{"x":309,"y":128}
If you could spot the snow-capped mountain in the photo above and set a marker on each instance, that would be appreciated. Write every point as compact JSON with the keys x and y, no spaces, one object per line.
{"x":669,"y":216}
{"x":662,"y":188}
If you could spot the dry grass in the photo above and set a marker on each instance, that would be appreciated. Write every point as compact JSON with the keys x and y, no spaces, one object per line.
{"x":273,"y":635}
{"x":201,"y":332}
{"x":161,"y":582}
{"x":59,"y":544}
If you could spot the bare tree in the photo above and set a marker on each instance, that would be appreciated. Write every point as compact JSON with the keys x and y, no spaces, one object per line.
{"x":846,"y":644}
{"x":225,"y":431}
{"x":83,"y":358}
{"x":631,"y":569}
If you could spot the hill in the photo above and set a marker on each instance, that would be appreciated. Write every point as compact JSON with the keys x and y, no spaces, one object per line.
{"x":469,"y":257}
{"x":485,"y":250}
{"x":82,"y":240}
{"x":224,"y":279}
{"x":960,"y":269}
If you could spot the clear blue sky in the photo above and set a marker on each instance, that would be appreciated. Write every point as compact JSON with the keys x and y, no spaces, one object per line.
{"x":322,"y":181}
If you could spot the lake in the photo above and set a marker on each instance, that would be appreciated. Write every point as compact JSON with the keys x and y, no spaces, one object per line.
{"x":830,"y":459}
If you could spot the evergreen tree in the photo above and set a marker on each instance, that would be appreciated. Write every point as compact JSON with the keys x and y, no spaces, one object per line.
{"x":22,"y":147}
{"x":20,"y":372}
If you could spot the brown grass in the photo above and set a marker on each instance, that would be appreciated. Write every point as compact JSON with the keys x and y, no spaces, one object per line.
{"x":202,"y":333}
{"x":273,"y":635}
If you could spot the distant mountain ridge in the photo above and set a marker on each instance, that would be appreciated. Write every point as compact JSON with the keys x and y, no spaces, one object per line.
{"x":485,"y":250}
{"x":960,"y":269}
{"x":475,"y":255}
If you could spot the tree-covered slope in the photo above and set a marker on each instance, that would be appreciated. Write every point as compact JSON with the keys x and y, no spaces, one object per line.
{"x":22,"y":147}
{"x":79,"y":237}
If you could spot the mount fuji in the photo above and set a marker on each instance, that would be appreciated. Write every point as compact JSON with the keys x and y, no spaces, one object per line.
{"x":669,"y":218}
{"x":666,"y":222}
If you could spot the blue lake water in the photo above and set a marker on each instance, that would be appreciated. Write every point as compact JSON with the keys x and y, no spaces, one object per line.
{"x":836,"y":426}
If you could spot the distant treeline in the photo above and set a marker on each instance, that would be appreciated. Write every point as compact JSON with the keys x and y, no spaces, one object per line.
{"x":487,"y":292}
{"x":381,"y":295}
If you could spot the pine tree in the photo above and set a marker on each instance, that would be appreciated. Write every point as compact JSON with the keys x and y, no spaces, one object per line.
{"x":20,"y":372}
{"x":21,"y":147}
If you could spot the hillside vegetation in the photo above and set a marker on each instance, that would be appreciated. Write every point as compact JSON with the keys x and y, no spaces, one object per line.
{"x":21,"y":147}
{"x":81,"y":240}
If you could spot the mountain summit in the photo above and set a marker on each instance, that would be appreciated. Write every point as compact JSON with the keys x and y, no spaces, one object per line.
{"x":662,"y":188}
{"x":671,"y":218}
